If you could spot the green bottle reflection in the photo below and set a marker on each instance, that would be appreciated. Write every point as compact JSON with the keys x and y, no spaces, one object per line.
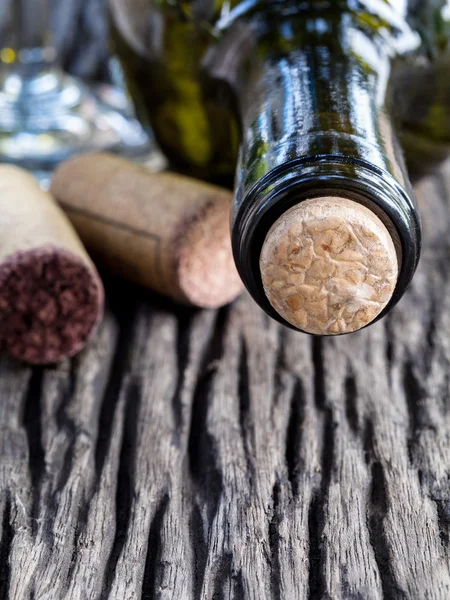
{"x":421,"y":89}
{"x":164,"y":47}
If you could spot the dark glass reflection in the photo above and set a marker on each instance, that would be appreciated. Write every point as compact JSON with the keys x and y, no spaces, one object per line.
{"x":192,"y":71}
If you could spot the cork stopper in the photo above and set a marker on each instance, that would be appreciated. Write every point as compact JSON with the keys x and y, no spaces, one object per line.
{"x":51,"y":297}
{"x":329,"y":266}
{"x":206,"y":272}
{"x":164,"y":231}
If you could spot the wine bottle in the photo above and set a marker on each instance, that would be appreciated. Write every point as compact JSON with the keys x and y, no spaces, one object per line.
{"x":325,"y":229}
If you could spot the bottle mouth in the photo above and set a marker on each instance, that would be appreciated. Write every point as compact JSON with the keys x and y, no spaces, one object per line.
{"x":329,"y":266}
{"x":309,"y":181}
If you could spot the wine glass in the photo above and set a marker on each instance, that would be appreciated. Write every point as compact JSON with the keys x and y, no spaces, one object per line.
{"x":46,"y":115}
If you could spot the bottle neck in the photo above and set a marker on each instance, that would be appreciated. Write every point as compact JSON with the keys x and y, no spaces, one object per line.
{"x":317,"y":87}
{"x":314,"y":123}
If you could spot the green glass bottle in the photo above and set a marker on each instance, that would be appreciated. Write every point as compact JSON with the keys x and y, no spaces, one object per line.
{"x":420,"y":83}
{"x":306,"y":98}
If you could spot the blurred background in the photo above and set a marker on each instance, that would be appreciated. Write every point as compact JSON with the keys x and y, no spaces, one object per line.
{"x":55,"y":100}
{"x":77,"y":29}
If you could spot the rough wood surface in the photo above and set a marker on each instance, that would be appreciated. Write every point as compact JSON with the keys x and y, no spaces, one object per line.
{"x":218,"y":455}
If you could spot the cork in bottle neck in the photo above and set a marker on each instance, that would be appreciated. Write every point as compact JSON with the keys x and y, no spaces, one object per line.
{"x":329,"y":266}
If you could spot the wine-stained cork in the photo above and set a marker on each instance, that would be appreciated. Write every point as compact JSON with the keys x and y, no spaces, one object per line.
{"x":329,"y":266}
{"x":51,"y":297}
{"x":161,"y":230}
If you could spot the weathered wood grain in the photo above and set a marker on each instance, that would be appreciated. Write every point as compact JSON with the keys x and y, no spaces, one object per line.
{"x":209,"y":455}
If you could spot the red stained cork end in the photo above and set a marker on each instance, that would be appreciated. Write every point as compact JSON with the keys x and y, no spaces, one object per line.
{"x":50,"y":304}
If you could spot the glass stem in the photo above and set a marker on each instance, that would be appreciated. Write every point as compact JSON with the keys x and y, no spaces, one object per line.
{"x":31,"y":39}
{"x":31,"y":27}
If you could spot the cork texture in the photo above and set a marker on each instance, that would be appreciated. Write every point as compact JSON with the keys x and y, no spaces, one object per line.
{"x":205,"y":268}
{"x":329,"y":266}
{"x":161,"y":230}
{"x":50,"y":304}
{"x":30,"y":217}
{"x":51,"y":297}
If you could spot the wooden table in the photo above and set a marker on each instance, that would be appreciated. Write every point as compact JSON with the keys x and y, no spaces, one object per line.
{"x":217,"y":455}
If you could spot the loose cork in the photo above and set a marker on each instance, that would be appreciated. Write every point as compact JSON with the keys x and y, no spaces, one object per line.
{"x":160,"y":230}
{"x":51,"y":297}
{"x":329,"y":266}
